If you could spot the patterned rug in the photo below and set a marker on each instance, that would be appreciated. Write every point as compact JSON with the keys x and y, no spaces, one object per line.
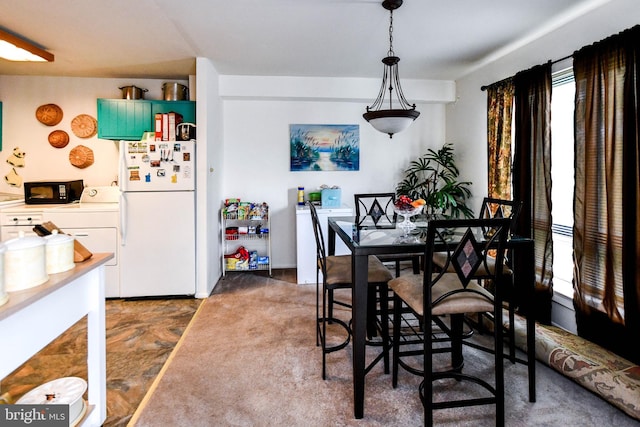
{"x":610,"y":376}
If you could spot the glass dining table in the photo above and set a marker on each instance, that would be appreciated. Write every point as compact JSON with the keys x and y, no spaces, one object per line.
{"x":364,"y":239}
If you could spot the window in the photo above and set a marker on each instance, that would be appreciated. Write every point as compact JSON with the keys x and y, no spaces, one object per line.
{"x":562,"y":178}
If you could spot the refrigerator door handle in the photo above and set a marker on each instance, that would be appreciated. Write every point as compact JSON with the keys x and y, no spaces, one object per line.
{"x":123,"y":219}
{"x":122,"y":164}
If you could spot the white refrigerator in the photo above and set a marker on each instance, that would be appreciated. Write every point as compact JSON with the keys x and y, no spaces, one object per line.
{"x":157,"y":217}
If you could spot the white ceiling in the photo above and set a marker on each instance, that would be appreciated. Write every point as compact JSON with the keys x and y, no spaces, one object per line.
{"x":442,"y":39}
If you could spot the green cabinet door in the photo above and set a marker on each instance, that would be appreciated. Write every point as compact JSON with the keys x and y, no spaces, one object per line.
{"x":123,"y":119}
{"x":128,"y":119}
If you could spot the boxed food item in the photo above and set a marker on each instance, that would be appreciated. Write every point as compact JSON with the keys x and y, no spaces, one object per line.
{"x":243,"y":210}
{"x":253,"y":260}
{"x":242,"y":264}
{"x":231,"y":233}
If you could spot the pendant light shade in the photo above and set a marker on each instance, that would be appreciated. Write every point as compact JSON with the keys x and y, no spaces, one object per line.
{"x":394,"y":114}
{"x":391,"y":121}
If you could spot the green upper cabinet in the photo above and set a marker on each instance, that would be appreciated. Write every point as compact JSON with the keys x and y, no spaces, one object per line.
{"x":123,"y":118}
{"x":186,"y":108}
{"x":129,"y":119}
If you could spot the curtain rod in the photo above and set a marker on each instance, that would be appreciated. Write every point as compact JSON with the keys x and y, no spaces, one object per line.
{"x":485,"y":87}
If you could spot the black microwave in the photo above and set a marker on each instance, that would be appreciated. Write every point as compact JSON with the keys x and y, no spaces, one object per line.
{"x":52,"y":192}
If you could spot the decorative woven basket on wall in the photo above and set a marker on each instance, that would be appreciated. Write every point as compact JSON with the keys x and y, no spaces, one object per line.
{"x":81,"y":156}
{"x":84,"y":126}
{"x":49,"y":114}
{"x":58,"y":139}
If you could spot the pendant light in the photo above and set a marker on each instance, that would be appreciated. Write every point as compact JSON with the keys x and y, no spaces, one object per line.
{"x":391,"y":120}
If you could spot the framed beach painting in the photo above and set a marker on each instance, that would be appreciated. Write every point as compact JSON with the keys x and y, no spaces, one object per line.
{"x":324,"y":147}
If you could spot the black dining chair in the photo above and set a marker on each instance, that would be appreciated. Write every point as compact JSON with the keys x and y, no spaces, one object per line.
{"x":334,"y":272}
{"x":440,"y":298}
{"x":502,"y":208}
{"x":498,"y":208}
{"x":376,"y":209}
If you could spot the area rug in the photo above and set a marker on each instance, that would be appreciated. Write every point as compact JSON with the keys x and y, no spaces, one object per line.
{"x":249,"y":358}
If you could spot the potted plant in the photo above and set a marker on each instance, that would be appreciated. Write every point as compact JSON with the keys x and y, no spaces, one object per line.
{"x":434,"y":178}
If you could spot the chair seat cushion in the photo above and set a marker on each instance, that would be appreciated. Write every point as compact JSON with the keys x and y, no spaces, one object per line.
{"x":339,"y":270}
{"x":409,"y":289}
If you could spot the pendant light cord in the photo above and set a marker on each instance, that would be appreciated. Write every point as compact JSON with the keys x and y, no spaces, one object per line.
{"x":390,"y":53}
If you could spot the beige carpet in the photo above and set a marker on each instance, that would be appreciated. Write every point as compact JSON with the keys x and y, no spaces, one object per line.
{"x":249,"y":359}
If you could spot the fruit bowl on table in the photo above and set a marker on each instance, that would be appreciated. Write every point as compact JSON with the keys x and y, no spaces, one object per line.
{"x":407,"y":212}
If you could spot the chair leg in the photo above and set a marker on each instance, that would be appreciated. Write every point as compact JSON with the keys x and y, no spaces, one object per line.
{"x":330,"y":313}
{"x":317,"y":313}
{"x":512,"y":334}
{"x":457,"y":361}
{"x":323,"y":335}
{"x":397,"y":303}
{"x":371,"y":319}
{"x":416,"y":261}
{"x":499,"y":367}
{"x":322,"y":332}
{"x":325,"y":317}
{"x":427,"y":382}
{"x":383,"y":291}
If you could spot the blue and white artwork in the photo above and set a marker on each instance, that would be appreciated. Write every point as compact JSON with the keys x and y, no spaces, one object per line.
{"x":324,"y":147}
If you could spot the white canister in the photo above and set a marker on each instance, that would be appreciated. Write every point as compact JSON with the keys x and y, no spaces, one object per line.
{"x":63,"y":391}
{"x":24,"y":263}
{"x":59,"y":252}
{"x":3,"y":295}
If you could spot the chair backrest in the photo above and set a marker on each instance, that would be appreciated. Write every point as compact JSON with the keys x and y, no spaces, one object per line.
{"x":501,"y":208}
{"x":465,"y":247}
{"x":375,"y":207}
{"x":321,"y":253}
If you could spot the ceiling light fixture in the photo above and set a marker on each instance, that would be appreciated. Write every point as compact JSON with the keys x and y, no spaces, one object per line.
{"x":391,"y":120}
{"x":14,"y":48}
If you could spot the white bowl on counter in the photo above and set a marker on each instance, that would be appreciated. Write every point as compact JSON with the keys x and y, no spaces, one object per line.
{"x":24,"y":263}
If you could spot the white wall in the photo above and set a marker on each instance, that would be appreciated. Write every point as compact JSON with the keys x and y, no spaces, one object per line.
{"x":22,"y":95}
{"x":256,"y":147}
{"x":466,"y":119}
{"x":209,"y":177}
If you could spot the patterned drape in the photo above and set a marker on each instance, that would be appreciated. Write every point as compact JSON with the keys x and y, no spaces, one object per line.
{"x":532,"y":175}
{"x":607,"y":193}
{"x":499,"y":118}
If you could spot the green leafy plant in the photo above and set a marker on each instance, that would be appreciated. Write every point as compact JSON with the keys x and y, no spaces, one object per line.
{"x":434,"y":178}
